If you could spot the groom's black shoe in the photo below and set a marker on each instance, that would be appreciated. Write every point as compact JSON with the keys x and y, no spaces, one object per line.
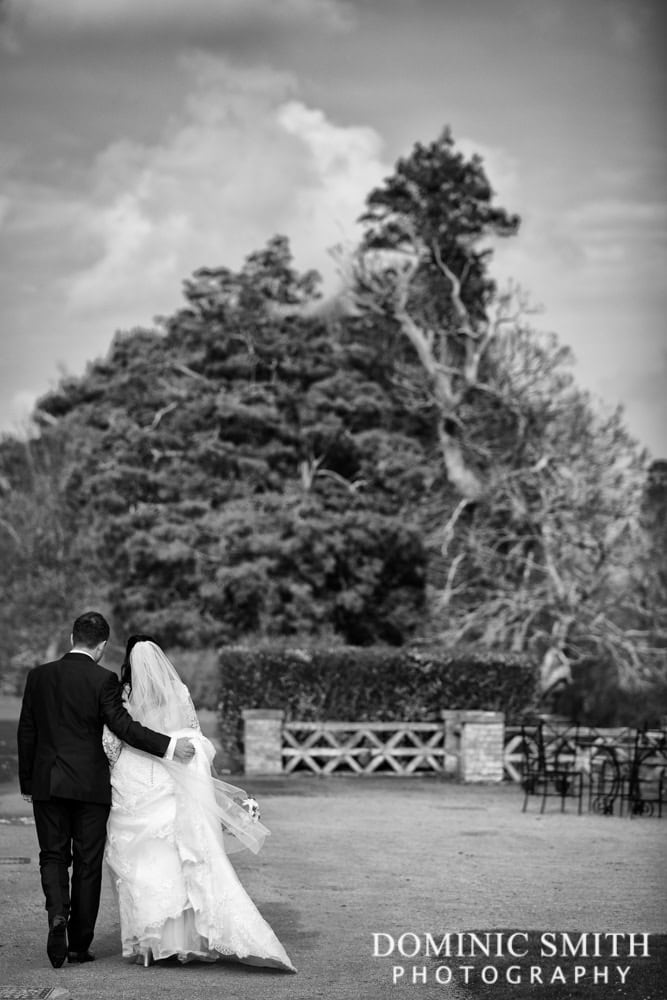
{"x":80,"y":956}
{"x":56,"y":942}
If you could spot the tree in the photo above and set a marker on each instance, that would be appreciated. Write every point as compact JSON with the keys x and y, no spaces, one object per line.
{"x":654,"y":525}
{"x":423,"y":261}
{"x":540,"y":563}
{"x":232,"y":465}
{"x":422,"y":465}
{"x":46,"y":559}
{"x":534,"y":551}
{"x":650,"y":581}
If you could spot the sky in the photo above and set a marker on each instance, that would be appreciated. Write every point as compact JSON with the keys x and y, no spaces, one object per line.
{"x":141,"y":141}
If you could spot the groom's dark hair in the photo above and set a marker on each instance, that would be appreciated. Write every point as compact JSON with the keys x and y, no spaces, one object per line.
{"x":90,"y":629}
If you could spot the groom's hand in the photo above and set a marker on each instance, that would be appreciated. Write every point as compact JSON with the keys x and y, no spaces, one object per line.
{"x":184,"y":749}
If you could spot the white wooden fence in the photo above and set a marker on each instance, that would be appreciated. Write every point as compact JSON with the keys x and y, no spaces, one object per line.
{"x":365,"y":747}
{"x":464,"y":744}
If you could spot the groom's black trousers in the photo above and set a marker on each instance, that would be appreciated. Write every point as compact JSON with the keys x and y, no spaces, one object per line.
{"x":71,"y":832}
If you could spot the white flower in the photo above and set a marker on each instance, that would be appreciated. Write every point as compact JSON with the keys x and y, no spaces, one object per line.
{"x":252,"y":808}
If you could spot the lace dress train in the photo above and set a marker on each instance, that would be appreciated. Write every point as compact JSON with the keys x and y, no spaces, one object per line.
{"x":178,"y":894}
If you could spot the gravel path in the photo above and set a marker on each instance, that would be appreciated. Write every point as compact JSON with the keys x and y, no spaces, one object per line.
{"x":350,"y":857}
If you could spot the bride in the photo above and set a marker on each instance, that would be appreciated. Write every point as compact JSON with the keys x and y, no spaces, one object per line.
{"x":169,"y":835}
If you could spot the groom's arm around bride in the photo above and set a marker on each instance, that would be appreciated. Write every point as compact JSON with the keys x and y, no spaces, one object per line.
{"x":121,"y":723}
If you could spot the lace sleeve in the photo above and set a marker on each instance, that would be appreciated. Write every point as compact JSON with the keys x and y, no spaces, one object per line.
{"x":193,"y":721}
{"x":112,"y":745}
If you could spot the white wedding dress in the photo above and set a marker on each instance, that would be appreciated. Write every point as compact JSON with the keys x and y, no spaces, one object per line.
{"x":178,"y":894}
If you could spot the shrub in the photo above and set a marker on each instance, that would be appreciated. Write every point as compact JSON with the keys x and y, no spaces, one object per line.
{"x":367,"y":684}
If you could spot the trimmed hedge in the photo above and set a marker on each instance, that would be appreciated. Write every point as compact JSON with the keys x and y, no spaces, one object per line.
{"x":367,"y":684}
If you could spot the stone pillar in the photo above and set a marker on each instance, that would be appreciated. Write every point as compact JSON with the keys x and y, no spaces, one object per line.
{"x":263,"y":740}
{"x":482,"y":746}
{"x":475,"y":742}
{"x":451,"y":718}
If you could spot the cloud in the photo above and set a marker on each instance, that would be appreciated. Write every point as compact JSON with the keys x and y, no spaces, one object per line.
{"x":9,"y":43}
{"x":244,"y":159}
{"x":595,"y":265}
{"x":629,"y":21}
{"x":502,"y":169}
{"x":241,"y":159}
{"x":645,"y":402}
{"x":21,"y":406}
{"x":615,"y":212}
{"x":173,"y":17}
{"x":594,"y":247}
{"x":342,"y":165}
{"x":5,"y":208}
{"x":619,"y":240}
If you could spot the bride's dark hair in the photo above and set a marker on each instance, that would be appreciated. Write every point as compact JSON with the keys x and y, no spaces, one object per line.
{"x":126,"y":669}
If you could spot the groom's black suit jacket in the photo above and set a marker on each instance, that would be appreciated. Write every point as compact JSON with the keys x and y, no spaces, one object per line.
{"x":65,"y":706}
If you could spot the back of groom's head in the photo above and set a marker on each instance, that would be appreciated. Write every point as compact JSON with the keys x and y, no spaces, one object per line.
{"x":90,"y":629}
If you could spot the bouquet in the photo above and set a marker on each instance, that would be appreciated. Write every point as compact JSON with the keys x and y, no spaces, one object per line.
{"x":252,"y":808}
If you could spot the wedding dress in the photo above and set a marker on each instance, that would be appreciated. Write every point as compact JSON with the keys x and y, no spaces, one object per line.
{"x":170,"y":830}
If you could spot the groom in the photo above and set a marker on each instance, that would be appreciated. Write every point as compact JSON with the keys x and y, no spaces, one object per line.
{"x":64,"y":772}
